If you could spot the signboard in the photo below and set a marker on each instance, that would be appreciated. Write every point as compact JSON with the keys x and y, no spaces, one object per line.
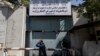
{"x":42,"y":9}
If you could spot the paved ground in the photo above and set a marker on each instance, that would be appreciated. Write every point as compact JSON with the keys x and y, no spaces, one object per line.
{"x":49,"y":53}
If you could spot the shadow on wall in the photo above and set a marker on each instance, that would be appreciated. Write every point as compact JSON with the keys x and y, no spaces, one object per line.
{"x":81,"y":20}
{"x":6,"y":12}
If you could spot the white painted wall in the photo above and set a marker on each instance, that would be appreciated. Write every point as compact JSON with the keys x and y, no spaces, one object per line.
{"x":12,"y":28}
{"x":2,"y":26}
{"x":90,"y":48}
{"x":16,"y":30}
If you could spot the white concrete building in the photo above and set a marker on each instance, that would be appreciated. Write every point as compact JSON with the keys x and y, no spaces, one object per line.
{"x":81,"y":35}
{"x":12,"y":29}
{"x":78,"y":36}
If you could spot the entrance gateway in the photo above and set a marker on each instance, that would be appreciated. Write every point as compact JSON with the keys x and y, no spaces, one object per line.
{"x":48,"y":20}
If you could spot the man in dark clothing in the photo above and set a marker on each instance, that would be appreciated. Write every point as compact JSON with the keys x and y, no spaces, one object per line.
{"x":42,"y":48}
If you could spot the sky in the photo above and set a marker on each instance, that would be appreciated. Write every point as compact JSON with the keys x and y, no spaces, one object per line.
{"x":76,"y":2}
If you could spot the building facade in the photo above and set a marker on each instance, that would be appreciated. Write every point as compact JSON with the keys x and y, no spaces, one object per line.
{"x":49,"y":20}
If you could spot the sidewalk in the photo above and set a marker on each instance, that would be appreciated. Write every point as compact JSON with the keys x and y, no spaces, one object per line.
{"x":49,"y":53}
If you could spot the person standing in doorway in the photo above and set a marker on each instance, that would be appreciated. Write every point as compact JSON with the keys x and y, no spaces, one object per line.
{"x":42,"y":48}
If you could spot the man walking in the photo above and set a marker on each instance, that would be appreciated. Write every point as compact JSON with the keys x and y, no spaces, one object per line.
{"x":42,"y":48}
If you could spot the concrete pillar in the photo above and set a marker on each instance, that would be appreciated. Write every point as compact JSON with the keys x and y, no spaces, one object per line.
{"x":31,"y":46}
{"x":3,"y":16}
{"x":15,"y":29}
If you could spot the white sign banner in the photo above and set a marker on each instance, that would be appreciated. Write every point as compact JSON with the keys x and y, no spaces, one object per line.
{"x":50,"y":9}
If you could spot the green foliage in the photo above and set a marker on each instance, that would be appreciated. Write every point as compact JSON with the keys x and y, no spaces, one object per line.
{"x":16,"y":2}
{"x":25,"y":2}
{"x":92,"y":7}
